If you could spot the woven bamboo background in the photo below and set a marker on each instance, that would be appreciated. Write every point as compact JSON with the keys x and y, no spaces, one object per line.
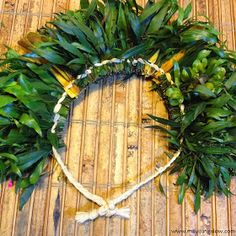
{"x":109,"y":150}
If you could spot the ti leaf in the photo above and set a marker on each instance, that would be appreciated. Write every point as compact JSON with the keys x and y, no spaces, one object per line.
{"x":158,"y":19}
{"x":29,"y":121}
{"x":197,"y":199}
{"x":25,"y":195}
{"x":203,"y":90}
{"x":5,"y":100}
{"x":28,"y":159}
{"x":34,"y":177}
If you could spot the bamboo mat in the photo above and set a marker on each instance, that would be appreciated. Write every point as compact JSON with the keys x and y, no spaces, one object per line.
{"x":109,"y":150}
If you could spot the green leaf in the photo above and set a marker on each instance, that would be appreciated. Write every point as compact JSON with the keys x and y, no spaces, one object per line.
{"x":14,"y":169}
{"x":111,"y":13}
{"x":223,"y":186}
{"x":4,"y":121}
{"x":42,"y":87}
{"x":232,"y":103}
{"x":181,"y":193}
{"x":192,"y":177}
{"x":4,"y":80}
{"x":192,"y":115}
{"x":5,"y":100}
{"x":164,"y":121}
{"x":197,"y":199}
{"x":203,"y":90}
{"x":217,"y":126}
{"x":180,"y":16}
{"x":76,"y":61}
{"x":215,"y":150}
{"x":211,"y":187}
{"x":8,"y":156}
{"x":84,"y":4}
{"x":231,"y":82}
{"x":208,"y":167}
{"x":177,"y":74}
{"x":173,"y":141}
{"x":87,"y":32}
{"x":27,"y":159}
{"x":25,"y":195}
{"x":26,"y":85}
{"x":158,"y":19}
{"x":187,"y":10}
{"x":217,"y":112}
{"x":133,"y":5}
{"x":50,"y":55}
{"x":84,"y":48}
{"x":70,"y":48}
{"x":91,"y":8}
{"x":227,"y":164}
{"x":182,"y":178}
{"x":24,"y":183}
{"x":150,"y":11}
{"x":220,"y":101}
{"x":16,"y":90}
{"x":121,"y":20}
{"x":172,"y":133}
{"x":137,"y":50}
{"x":226,"y":175}
{"x":53,"y":138}
{"x":134,"y":23}
{"x":11,"y":53}
{"x":15,"y":136}
{"x":69,"y":28}
{"x":34,"y":177}
{"x":43,"y":73}
{"x":190,"y":145}
{"x":192,"y":34}
{"x":161,"y":186}
{"x":29,"y":121}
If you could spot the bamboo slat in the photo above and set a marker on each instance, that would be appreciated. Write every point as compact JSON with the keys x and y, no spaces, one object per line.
{"x":109,"y":150}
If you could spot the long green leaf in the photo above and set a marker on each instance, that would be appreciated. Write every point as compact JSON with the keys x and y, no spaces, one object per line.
{"x":25,"y":195}
{"x":28,"y":159}
{"x":208,"y":167}
{"x":150,"y":11}
{"x":34,"y":177}
{"x":70,"y":48}
{"x":203,"y":90}
{"x":84,"y":4}
{"x":30,"y":122}
{"x":231,"y":82}
{"x":5,"y":100}
{"x":191,"y":35}
{"x":157,"y":20}
{"x":91,"y":8}
{"x":197,"y":199}
{"x":137,"y":50}
{"x":50,"y":55}
{"x":181,"y":193}
{"x":8,"y":156}
{"x":4,"y":121}
{"x":192,"y":115}
{"x":164,"y":121}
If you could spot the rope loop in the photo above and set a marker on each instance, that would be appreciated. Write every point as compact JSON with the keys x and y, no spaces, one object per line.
{"x":107,"y":208}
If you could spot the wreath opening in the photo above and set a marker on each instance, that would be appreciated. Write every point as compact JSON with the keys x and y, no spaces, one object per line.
{"x":189,"y":66}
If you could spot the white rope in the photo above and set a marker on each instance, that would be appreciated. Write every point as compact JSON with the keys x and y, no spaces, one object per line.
{"x":95,"y":198}
{"x":119,"y":61}
{"x":107,"y":207}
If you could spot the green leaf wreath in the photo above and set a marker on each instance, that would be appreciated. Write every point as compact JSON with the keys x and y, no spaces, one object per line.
{"x":198,"y":87}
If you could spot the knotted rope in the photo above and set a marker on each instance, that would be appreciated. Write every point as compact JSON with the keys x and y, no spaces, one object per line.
{"x":107,"y":208}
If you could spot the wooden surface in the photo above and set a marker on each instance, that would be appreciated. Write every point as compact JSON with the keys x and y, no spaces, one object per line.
{"x":109,"y":150}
